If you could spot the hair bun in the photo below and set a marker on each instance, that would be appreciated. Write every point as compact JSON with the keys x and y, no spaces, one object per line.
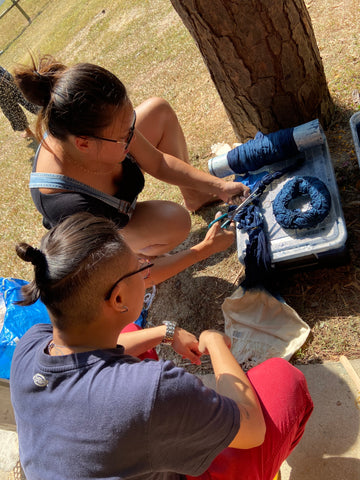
{"x":42,"y":86}
{"x":30,"y":254}
{"x":22,"y":250}
{"x":36,"y":82}
{"x":35,"y":87}
{"x":37,"y":258}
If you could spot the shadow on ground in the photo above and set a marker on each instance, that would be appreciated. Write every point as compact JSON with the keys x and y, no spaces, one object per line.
{"x":330,"y":447}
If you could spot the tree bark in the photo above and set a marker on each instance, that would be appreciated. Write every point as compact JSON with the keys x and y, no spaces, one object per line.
{"x":263,"y":58}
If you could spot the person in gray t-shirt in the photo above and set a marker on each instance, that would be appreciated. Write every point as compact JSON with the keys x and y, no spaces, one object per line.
{"x":86,"y":407}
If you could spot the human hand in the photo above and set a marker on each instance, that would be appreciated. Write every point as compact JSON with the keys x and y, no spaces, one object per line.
{"x":234,"y":193}
{"x":186,"y":345}
{"x":218,"y":239}
{"x":209,"y":337}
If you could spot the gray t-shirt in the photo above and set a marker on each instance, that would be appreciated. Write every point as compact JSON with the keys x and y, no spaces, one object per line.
{"x":106,"y":415}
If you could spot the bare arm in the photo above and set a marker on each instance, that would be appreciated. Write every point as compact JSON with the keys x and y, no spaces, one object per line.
{"x":171,"y":170}
{"x":232,"y":382}
{"x":137,"y":342}
{"x":216,"y":240}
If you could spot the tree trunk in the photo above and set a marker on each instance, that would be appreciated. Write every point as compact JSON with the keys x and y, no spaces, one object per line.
{"x":263,"y":58}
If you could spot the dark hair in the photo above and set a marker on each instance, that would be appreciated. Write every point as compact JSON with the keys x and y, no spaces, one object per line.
{"x":72,"y":267}
{"x":77,"y":100}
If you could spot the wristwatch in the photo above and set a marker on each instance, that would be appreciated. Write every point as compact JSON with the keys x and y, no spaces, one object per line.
{"x":169,"y":334}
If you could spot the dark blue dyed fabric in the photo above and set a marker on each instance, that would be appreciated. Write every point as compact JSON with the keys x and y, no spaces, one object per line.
{"x":263,"y":150}
{"x":257,"y":259}
{"x":319,"y":198}
{"x":258,"y":269}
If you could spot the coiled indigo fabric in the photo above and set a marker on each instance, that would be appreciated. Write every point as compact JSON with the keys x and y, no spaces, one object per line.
{"x":263,"y":150}
{"x":309,"y":187}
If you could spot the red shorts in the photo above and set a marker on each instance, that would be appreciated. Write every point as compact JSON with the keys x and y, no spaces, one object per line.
{"x":132,"y":327}
{"x":287,"y":405}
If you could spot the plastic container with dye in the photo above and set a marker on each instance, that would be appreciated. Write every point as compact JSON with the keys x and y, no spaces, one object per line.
{"x":355,"y":131}
{"x":323,"y":244}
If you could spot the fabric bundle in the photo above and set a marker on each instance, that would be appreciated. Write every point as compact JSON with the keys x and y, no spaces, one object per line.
{"x":302,"y":188}
{"x":262,"y":150}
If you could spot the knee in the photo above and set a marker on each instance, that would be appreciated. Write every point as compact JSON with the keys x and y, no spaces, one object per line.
{"x":158,"y":103}
{"x":287,"y":375}
{"x":155,"y":103}
{"x":281,"y":372}
{"x":282,"y":368}
{"x":177,"y":218}
{"x":160,"y":107}
{"x":277,"y":364}
{"x":162,"y":218}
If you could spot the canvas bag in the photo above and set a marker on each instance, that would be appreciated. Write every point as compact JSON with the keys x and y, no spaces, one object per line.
{"x":261,"y":326}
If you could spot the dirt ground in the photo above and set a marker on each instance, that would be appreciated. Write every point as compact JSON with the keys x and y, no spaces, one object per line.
{"x":326,"y":298}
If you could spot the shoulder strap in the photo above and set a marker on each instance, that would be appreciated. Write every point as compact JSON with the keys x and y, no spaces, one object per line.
{"x":54,"y":180}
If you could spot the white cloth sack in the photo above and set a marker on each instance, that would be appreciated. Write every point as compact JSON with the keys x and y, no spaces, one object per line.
{"x":261,"y":327}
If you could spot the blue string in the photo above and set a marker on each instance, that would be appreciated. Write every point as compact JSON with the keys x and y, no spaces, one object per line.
{"x":263,"y":150}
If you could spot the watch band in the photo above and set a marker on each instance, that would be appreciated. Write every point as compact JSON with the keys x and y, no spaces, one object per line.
{"x":170,"y":331}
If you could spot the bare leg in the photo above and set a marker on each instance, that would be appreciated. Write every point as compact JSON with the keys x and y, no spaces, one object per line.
{"x":157,"y":227}
{"x":158,"y":122}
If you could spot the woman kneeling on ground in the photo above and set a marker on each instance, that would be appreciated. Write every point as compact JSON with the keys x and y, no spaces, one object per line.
{"x":95,"y":137}
{"x":85,"y":407}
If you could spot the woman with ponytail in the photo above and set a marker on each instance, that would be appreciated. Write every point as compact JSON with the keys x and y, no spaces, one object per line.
{"x":94,"y":151}
{"x":86,"y":407}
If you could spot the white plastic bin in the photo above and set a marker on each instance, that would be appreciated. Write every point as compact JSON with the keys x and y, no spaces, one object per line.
{"x":355,"y":131}
{"x":297,"y":248}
